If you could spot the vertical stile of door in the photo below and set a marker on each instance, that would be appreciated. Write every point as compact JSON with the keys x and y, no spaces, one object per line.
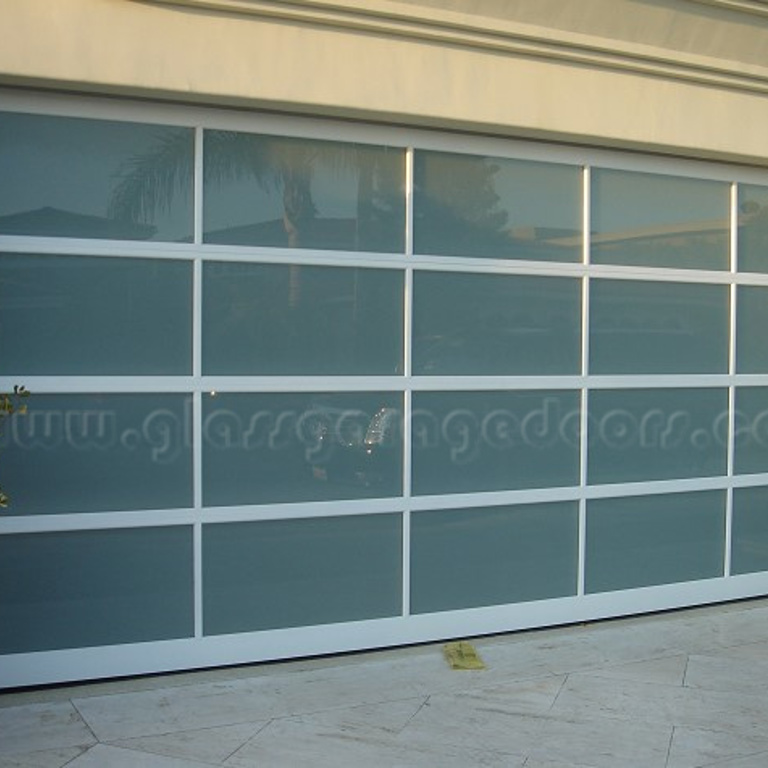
{"x":197,"y":395}
{"x":584,"y":422}
{"x":407,"y":372}
{"x":733,"y":247}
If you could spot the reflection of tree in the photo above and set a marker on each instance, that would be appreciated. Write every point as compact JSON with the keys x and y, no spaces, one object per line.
{"x":457,"y":204}
{"x":285,"y":166}
{"x":150,"y":181}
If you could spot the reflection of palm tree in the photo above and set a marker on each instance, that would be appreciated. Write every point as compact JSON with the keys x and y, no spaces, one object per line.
{"x":151,"y":180}
{"x":277,"y":164}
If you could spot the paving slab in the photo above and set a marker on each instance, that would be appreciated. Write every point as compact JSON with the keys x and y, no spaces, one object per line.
{"x":593,"y":696}
{"x":104,"y":756}
{"x":39,"y":727}
{"x":696,"y":747}
{"x":48,"y":758}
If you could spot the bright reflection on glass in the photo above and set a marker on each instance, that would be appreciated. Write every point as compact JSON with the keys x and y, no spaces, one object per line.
{"x":288,"y":573}
{"x":267,"y":319}
{"x":664,"y":327}
{"x":751,"y":325}
{"x":647,"y":540}
{"x":81,"y":315}
{"x":651,"y":220}
{"x":69,"y":177}
{"x":467,"y":558}
{"x":302,"y":193}
{"x":75,"y":589}
{"x":468,"y":205}
{"x":749,"y":552}
{"x":496,"y":324}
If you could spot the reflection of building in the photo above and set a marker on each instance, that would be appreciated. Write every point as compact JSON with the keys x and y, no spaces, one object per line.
{"x":353,"y":324}
{"x":54,"y":222}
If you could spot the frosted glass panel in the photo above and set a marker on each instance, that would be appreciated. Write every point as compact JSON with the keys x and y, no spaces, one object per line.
{"x":753,"y":228}
{"x":69,"y":177}
{"x":262,"y":448}
{"x":656,"y":434}
{"x":496,"y":324}
{"x":288,"y":573}
{"x":648,"y":540}
{"x":492,"y":441}
{"x":274,"y":319}
{"x":75,"y":315}
{"x":87,"y":588}
{"x":91,"y":453}
{"x":751,"y":430}
{"x":749,"y":534}
{"x":751,"y":329}
{"x":467,"y":205}
{"x":301,"y":193}
{"x":652,"y":220}
{"x":644,"y":327}
{"x":466,"y":558}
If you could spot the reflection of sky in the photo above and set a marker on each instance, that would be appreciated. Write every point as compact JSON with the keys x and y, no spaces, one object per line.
{"x":73,"y":165}
{"x":538,"y":194}
{"x":240,"y":202}
{"x":623,"y":201}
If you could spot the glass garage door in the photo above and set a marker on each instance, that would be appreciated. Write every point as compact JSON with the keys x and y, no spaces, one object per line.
{"x":301,"y":387}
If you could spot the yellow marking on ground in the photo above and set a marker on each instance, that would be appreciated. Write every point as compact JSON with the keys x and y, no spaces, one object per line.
{"x":462,"y":655}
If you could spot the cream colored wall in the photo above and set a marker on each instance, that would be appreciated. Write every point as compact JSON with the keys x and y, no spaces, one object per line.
{"x":678,"y":76}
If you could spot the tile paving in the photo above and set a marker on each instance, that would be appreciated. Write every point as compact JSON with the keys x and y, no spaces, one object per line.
{"x":685,"y":689}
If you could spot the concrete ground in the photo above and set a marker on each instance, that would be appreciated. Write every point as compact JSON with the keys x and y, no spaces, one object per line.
{"x":679,"y":690}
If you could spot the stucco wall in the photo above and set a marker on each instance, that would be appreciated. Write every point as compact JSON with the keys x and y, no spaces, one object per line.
{"x":684,"y":77}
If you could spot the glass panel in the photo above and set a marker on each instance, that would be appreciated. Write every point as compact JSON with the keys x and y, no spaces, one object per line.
{"x":656,"y":434}
{"x":85,"y":588}
{"x":493,"y":441}
{"x":69,"y":177}
{"x":466,"y":558}
{"x":92,"y":453}
{"x":263,"y":448}
{"x":753,"y":228}
{"x":289,"y":573}
{"x":749,"y":551}
{"x":275,"y":319}
{"x":644,"y":327}
{"x":751,"y":430}
{"x":496,"y":324}
{"x":648,"y":540}
{"x":75,"y":315}
{"x":301,"y":193}
{"x":652,"y":220}
{"x":465,"y":205}
{"x":751,"y":324}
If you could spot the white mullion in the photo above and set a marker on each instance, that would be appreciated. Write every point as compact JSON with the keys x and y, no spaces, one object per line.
{"x":197,"y":576}
{"x":407,"y":381}
{"x":197,"y":185}
{"x":734,"y":260}
{"x":197,"y":405}
{"x":108,"y":249}
{"x":584,"y":393}
{"x":43,"y":385}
